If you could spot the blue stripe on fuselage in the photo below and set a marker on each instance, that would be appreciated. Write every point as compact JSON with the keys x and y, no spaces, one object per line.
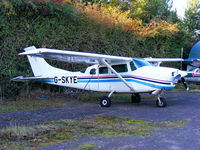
{"x":108,"y":80}
{"x":101,"y":78}
{"x":128,"y":80}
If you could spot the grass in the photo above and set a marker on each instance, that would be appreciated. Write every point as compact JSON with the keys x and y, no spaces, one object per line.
{"x":90,"y":146}
{"x":14,"y":106}
{"x":55,"y":132}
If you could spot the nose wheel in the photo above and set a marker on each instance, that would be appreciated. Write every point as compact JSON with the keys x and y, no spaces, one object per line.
{"x":161,"y":102}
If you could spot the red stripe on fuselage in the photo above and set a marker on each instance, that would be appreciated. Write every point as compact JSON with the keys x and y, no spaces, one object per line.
{"x":123,"y":76}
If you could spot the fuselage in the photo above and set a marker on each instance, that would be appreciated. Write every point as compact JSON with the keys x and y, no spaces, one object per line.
{"x":138,"y":73}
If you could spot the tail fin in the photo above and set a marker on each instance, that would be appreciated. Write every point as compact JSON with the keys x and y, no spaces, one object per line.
{"x":40,"y":67}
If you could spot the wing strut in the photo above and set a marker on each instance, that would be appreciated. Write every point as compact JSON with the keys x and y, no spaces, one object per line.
{"x":117,"y":74}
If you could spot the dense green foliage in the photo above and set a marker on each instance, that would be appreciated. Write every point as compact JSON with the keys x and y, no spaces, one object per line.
{"x":68,"y":26}
{"x":191,"y":23}
{"x":154,"y":9}
{"x":147,"y":10}
{"x":192,"y":16}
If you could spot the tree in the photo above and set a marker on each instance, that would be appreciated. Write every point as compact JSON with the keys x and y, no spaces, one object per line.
{"x":148,"y":10}
{"x":192,"y":16}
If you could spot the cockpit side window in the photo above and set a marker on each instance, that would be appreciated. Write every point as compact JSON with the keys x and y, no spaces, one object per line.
{"x":103,"y":70}
{"x":120,"y":68}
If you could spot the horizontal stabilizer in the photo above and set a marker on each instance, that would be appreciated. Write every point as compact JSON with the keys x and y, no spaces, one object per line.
{"x":21,"y":78}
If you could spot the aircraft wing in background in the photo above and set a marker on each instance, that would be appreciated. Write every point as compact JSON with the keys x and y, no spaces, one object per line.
{"x":157,"y":61}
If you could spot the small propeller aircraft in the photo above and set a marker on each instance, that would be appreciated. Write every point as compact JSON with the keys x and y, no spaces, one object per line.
{"x":111,"y":74}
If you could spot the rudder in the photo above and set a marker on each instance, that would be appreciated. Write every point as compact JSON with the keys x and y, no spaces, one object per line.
{"x":39,"y":66}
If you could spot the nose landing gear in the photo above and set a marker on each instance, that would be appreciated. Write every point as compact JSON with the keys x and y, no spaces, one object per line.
{"x":161,"y":102}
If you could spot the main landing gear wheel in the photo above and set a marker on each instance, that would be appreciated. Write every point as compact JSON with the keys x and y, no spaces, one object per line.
{"x":136,"y":98}
{"x":161,"y":102}
{"x":105,"y":101}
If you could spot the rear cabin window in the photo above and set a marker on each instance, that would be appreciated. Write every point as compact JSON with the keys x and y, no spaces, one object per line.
{"x":83,"y":70}
{"x":93,"y":71}
{"x":103,"y":70}
{"x":120,"y":68}
{"x":132,"y":65}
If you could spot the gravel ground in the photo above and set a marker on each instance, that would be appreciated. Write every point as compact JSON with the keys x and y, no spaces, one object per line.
{"x":181,"y":106}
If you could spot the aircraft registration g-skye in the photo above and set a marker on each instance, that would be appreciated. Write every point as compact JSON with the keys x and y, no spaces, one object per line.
{"x":111,"y":74}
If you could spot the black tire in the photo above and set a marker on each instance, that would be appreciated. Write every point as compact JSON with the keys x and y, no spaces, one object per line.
{"x":162,"y":102}
{"x":136,"y":98}
{"x":105,"y":101}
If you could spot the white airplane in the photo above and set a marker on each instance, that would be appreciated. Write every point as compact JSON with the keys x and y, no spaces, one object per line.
{"x":111,"y":74}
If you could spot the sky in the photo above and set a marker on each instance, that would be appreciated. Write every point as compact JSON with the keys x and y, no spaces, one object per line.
{"x":180,"y":6}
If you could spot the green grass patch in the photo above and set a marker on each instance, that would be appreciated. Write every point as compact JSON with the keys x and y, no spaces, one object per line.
{"x":89,"y":146}
{"x":13,"y":106}
{"x":55,"y":132}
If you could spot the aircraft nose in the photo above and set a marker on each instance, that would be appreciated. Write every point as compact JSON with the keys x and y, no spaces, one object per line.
{"x":178,"y":75}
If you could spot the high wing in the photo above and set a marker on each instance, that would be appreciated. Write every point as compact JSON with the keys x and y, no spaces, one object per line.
{"x":72,"y":56}
{"x":158,"y":61}
{"x":21,"y":78}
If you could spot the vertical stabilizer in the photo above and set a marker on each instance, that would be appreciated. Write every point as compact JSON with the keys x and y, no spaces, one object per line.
{"x":40,"y":67}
